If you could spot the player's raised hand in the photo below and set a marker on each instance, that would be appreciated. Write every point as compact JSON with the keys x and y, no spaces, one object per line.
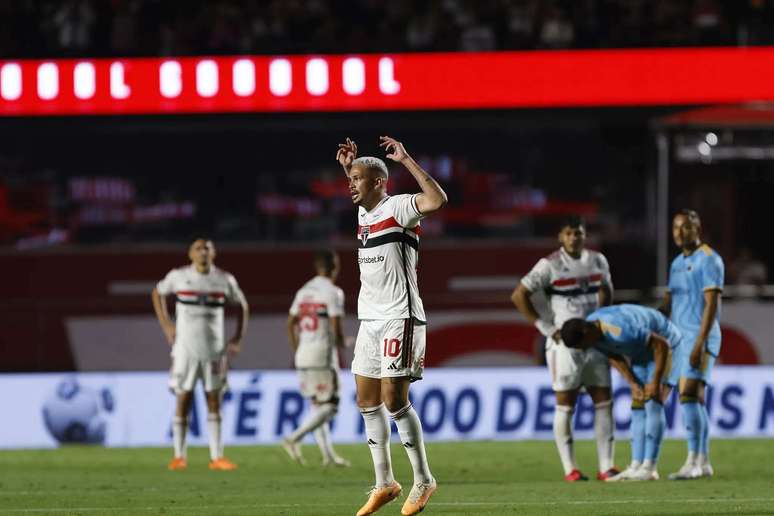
{"x":395,"y":150}
{"x":347,"y":153}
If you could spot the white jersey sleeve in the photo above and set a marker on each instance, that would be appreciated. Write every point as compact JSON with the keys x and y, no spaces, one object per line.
{"x":604,"y":267}
{"x":539,"y":278}
{"x":405,"y":211}
{"x":336,"y":304}
{"x":166,"y":286}
{"x":294,"y":311}
{"x":234,"y":294}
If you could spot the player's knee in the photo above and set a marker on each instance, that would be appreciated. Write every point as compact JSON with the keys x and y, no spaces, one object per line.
{"x":394,"y":402}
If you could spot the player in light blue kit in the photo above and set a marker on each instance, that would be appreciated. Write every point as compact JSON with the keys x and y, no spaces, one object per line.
{"x":647,"y":339}
{"x":693,"y":303}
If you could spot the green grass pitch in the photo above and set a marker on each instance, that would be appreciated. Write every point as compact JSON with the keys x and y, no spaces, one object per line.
{"x":475,"y":478}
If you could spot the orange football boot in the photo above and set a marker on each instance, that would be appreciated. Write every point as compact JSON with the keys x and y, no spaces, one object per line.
{"x":222,"y":464}
{"x":418,"y":497}
{"x":177,"y":464}
{"x":378,"y":497}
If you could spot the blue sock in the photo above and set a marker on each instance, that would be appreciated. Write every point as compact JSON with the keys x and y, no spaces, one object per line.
{"x":637,"y":430}
{"x":704,"y":445}
{"x":655,"y":423}
{"x":693,"y":421}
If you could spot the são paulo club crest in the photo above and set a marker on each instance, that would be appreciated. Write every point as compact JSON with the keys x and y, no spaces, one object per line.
{"x":583,"y":284}
{"x":364,"y":230}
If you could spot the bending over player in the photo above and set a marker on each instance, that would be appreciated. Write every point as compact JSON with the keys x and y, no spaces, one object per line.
{"x":647,"y":339}
{"x":198,"y":348}
{"x":390,"y":345}
{"x":315,"y":334}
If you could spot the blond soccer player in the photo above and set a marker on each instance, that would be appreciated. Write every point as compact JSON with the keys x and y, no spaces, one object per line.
{"x":199,"y":351}
{"x":390,"y":344}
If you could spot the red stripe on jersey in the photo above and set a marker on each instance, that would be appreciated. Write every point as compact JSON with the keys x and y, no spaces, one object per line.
{"x":385,"y":224}
{"x":194,"y":293}
{"x":564,"y":282}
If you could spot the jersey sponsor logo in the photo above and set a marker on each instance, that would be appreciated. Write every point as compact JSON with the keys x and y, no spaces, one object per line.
{"x":370,"y":259}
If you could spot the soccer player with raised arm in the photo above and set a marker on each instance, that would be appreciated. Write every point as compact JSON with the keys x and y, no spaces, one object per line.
{"x":576,"y":282}
{"x":638,"y":342}
{"x":390,"y":344}
{"x":315,"y":334}
{"x":693,"y":303}
{"x":199,"y":351}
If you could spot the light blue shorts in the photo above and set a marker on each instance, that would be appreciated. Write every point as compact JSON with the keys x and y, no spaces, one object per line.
{"x":704,"y":371}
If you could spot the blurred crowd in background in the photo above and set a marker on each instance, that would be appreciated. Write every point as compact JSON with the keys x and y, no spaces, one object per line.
{"x":511,"y":175}
{"x":59,"y":28}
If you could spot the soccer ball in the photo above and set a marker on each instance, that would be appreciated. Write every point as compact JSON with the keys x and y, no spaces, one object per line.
{"x":73,"y":413}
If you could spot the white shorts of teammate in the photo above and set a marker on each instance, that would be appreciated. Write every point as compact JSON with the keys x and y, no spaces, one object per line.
{"x":390,"y":349}
{"x":319,"y":385}
{"x":572,"y":368}
{"x":186,"y":370}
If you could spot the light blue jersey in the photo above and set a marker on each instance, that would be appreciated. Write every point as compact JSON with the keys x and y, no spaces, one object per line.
{"x":627,"y":330}
{"x":689,"y":278}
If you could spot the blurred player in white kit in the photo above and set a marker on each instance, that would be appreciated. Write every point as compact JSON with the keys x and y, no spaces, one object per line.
{"x":576,"y":282}
{"x":315,"y":335}
{"x":199,"y":351}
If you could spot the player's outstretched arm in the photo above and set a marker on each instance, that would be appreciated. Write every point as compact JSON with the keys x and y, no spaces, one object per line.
{"x":235,"y":344}
{"x":622,"y":366}
{"x":432,"y":198}
{"x":660,"y":347}
{"x":711,"y":301}
{"x":521,"y":300}
{"x":162,"y":314}
{"x":337,"y":329}
{"x":346,"y":154}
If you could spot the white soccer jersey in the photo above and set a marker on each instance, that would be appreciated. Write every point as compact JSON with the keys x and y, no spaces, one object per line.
{"x":317,"y":301}
{"x":571,"y":285}
{"x":199,"y":309}
{"x":388,"y":255}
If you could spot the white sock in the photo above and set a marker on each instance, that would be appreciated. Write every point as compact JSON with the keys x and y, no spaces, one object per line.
{"x":603,"y":430}
{"x":322,"y":435}
{"x":377,"y":430}
{"x":649,"y":464}
{"x":179,"y":427}
{"x":213,"y":432}
{"x":563,"y":437}
{"x":410,"y":430}
{"x":319,"y":415}
{"x":692,"y":458}
{"x":701,"y":460}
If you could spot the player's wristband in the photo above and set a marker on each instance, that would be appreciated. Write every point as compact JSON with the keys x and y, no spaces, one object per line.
{"x":546,"y":328}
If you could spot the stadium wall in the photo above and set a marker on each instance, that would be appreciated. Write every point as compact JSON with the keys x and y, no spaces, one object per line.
{"x":91,"y":311}
{"x":132,"y":409}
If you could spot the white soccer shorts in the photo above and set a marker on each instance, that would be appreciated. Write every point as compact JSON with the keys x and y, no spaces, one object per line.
{"x":390,"y":349}
{"x":572,"y":368}
{"x":320,"y":385}
{"x":186,"y":370}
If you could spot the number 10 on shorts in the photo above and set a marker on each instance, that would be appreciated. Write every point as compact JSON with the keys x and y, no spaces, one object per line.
{"x":391,"y":348}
